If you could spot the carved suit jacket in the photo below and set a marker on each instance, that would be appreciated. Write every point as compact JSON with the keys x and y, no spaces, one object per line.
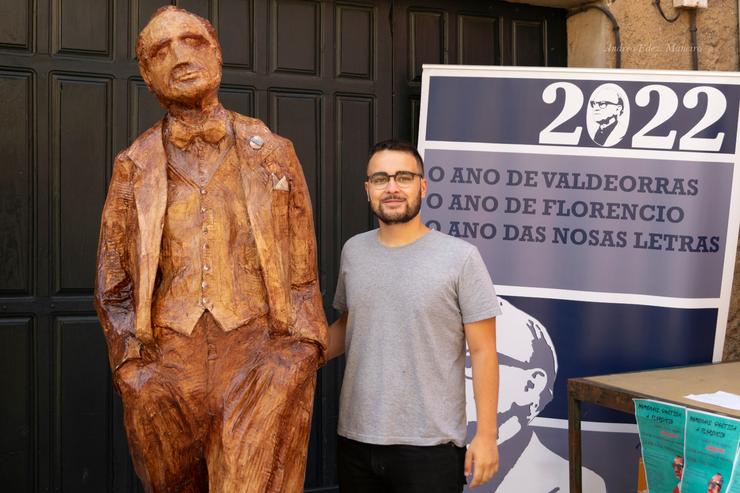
{"x":131,"y":234}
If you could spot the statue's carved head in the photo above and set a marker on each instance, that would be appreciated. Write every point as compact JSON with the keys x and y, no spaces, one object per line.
{"x":179,"y":57}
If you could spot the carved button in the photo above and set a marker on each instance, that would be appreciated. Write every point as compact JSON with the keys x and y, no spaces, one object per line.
{"x":256,"y":142}
{"x":204,"y":300}
{"x":203,"y":210}
{"x":205,"y":268}
{"x":204,"y":285}
{"x":202,"y":191}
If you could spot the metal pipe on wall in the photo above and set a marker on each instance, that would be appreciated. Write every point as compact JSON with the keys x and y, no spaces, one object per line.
{"x":615,"y":27}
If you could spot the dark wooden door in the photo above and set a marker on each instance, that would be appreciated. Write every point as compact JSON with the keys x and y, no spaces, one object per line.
{"x":320,"y":73}
{"x":468,"y":32}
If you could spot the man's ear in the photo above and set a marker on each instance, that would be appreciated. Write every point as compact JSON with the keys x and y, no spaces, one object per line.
{"x":367,"y":192}
{"x":423,"y":187}
{"x":536,"y":384}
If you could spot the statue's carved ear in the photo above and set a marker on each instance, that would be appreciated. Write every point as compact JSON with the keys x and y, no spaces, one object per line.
{"x":145,"y":73}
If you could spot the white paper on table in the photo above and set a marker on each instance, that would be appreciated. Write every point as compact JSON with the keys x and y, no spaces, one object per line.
{"x":719,"y":398}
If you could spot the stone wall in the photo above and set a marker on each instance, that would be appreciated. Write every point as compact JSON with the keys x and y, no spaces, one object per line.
{"x":650,"y":42}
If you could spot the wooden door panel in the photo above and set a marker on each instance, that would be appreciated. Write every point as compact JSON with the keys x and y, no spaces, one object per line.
{"x":356,"y":133}
{"x":82,"y":431}
{"x":17,"y":414}
{"x":82,"y":27}
{"x":296,"y":36}
{"x":354,"y":45}
{"x":15,"y":24}
{"x":478,"y":40}
{"x":528,"y":43}
{"x":81,"y":153}
{"x":235,"y":26}
{"x":16,"y":188}
{"x":428,"y":36}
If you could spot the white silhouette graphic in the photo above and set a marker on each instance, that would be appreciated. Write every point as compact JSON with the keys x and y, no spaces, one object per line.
{"x":607,"y":115}
{"x":528,"y":367}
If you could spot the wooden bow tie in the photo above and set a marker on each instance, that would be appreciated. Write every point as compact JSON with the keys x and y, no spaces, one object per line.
{"x":182,"y":134}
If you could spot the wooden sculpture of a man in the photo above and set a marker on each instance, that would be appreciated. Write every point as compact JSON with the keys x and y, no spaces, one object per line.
{"x":206,"y":284}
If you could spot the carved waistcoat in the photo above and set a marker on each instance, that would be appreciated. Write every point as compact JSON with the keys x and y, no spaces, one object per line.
{"x":208,"y":258}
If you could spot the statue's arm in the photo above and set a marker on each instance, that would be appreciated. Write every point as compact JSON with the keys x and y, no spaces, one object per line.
{"x":114,"y":289}
{"x":310,"y":320}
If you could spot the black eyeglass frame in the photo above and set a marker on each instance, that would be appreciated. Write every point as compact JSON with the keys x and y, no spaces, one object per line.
{"x":388,"y":176}
{"x":602,"y":104}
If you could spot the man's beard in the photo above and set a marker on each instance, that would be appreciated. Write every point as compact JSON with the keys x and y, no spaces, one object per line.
{"x":411,"y":211}
{"x":606,"y":121}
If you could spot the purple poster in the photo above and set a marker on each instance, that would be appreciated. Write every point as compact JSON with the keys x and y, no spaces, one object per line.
{"x":605,"y":205}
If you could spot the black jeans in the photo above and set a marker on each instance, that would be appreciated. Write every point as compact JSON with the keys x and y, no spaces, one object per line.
{"x":367,"y":468}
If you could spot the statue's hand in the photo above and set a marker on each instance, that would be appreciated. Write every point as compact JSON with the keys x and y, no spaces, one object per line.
{"x":126,"y":376}
{"x":310,"y":352}
{"x":129,"y":375}
{"x":301,"y":355}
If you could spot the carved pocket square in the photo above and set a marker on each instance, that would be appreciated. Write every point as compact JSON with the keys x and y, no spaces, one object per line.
{"x":281,"y":184}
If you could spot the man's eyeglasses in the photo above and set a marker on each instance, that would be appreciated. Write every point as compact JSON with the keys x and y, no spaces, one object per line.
{"x":381,"y":179}
{"x":601,"y":104}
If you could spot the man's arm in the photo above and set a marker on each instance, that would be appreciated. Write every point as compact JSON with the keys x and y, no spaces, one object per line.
{"x":114,"y":289}
{"x":482,"y":456}
{"x":337,"y":334}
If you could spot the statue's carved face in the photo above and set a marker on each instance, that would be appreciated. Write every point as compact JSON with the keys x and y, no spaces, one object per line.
{"x":179,"y":59}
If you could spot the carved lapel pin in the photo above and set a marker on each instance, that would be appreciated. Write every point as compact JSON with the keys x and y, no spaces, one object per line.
{"x":256,"y":142}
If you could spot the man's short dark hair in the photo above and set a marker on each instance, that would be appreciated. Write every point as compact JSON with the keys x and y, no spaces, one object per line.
{"x":397,"y":145}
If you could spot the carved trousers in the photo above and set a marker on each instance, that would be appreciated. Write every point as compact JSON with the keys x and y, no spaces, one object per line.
{"x":225,"y":412}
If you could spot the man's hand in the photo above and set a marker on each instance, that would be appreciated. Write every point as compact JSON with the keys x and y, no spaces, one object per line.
{"x":481,"y":459}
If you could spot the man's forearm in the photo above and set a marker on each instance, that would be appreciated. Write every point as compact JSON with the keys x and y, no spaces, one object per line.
{"x":485,"y":386}
{"x":337,"y":333}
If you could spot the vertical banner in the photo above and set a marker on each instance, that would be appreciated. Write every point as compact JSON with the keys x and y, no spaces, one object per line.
{"x":605,"y":205}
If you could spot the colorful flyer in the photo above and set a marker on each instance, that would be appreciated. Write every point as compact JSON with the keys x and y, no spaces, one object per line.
{"x":711,"y":449}
{"x":661,"y":427}
{"x":735,"y":480}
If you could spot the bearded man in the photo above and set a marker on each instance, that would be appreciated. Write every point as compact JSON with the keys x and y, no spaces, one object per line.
{"x":410,"y":298}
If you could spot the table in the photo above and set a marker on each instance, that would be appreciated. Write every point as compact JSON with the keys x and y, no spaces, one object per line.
{"x":667,"y":385}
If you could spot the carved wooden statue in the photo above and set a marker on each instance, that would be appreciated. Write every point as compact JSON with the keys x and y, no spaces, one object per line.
{"x":206,"y":283}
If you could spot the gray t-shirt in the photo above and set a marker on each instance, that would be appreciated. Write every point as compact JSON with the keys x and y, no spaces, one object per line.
{"x":404,"y":382}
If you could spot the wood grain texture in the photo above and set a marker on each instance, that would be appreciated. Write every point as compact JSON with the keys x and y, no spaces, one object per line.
{"x":205,"y":209}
